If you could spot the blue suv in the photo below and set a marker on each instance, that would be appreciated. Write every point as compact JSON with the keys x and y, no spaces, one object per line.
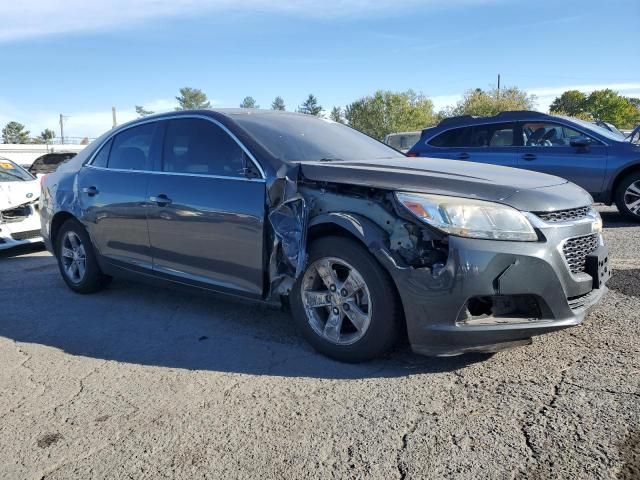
{"x":600,"y":161}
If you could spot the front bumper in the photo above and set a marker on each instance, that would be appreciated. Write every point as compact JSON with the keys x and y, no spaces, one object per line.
{"x":436,"y":304}
{"x":23,"y":232}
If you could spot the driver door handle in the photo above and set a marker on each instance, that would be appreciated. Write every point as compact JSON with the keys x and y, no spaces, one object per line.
{"x":529,"y":156}
{"x":463,"y":156}
{"x":161,"y":200}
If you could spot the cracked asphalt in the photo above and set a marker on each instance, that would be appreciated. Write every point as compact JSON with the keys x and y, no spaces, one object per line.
{"x":140,"y":382}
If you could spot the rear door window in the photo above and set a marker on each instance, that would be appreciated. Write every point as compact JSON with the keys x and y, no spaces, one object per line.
{"x":131,"y":149}
{"x":198,"y":146}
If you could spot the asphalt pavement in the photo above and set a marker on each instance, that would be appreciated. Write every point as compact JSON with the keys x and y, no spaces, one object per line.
{"x":140,"y":382}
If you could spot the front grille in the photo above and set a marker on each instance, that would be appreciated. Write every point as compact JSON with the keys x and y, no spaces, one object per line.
{"x":576,"y":250}
{"x":564,"y":215}
{"x":26,"y":235}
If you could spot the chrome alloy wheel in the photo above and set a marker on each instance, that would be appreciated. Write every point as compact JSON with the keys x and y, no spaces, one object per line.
{"x":632,"y":198}
{"x":336,"y":300}
{"x":73,"y":256}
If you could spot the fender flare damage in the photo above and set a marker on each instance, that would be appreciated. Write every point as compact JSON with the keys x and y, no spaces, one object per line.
{"x":301,"y":205}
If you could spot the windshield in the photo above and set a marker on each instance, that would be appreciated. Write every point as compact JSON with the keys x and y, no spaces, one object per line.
{"x":403,"y":141}
{"x":611,"y":128}
{"x":10,"y":172}
{"x":634,"y":137}
{"x":594,"y":128}
{"x":295,"y":138}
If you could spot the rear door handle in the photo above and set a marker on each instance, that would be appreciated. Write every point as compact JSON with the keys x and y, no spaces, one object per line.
{"x":161,"y":200}
{"x":463,"y":156}
{"x":529,"y":156}
{"x":91,"y":191}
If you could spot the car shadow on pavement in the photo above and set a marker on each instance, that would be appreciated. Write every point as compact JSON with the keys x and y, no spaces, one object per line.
{"x":21,"y":250}
{"x":141,"y":324}
{"x":614,"y":219}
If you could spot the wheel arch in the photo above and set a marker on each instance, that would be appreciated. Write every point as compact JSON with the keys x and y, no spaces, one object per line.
{"x":350,"y":225}
{"x":56,"y":223}
{"x":363,"y":231}
{"x":634,"y":167}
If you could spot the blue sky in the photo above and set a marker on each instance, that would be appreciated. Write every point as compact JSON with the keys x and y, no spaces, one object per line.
{"x":79,"y":58}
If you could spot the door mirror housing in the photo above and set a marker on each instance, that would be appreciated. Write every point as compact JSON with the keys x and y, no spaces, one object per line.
{"x":580,"y":142}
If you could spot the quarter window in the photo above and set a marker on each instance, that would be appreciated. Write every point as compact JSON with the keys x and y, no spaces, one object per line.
{"x":131,"y":148}
{"x":457,"y":137}
{"x":197,"y":146}
{"x":102,"y":157}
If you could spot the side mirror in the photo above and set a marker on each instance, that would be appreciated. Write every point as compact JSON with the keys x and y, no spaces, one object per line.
{"x":580,"y":142}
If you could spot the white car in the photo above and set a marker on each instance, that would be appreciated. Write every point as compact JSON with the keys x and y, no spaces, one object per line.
{"x":19,"y":215}
{"x":402,"y":141}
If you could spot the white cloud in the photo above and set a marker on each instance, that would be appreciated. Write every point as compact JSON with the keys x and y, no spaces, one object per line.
{"x":30,"y":18}
{"x":442,"y":101}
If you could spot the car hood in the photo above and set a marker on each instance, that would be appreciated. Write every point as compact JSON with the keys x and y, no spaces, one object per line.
{"x":14,"y":194}
{"x":521,"y":189}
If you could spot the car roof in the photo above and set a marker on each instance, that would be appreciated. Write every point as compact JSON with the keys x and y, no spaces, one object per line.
{"x":516,"y":115}
{"x":213,"y":112}
{"x":412,"y":132}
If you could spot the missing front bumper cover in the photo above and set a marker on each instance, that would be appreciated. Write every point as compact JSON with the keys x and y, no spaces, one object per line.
{"x":500,"y":310}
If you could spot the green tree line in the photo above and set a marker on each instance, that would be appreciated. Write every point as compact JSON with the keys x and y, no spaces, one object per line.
{"x":386,"y":112}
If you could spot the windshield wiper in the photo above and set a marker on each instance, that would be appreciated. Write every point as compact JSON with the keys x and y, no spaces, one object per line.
{"x":330,"y":159}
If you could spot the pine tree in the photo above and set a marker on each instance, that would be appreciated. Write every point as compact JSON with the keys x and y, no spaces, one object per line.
{"x":336,"y":115}
{"x":278,"y":104}
{"x":310,"y":106}
{"x":192,"y":99}
{"x":249,"y":102}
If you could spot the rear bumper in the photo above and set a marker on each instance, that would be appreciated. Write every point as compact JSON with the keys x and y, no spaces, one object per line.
{"x":436,"y":304}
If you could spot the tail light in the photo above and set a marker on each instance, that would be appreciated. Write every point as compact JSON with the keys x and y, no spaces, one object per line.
{"x":412,"y":154}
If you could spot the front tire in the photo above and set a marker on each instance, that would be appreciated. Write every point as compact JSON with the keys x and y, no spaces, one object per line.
{"x":344,"y":303}
{"x":77,"y":260}
{"x":628,"y":196}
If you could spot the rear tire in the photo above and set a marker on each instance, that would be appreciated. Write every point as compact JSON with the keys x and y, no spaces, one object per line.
{"x":77,"y":260}
{"x":627,"y":196}
{"x":352,"y":313}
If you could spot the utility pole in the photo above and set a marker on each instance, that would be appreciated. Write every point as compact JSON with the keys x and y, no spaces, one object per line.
{"x":62,"y":120}
{"x":498,"y":86}
{"x":113,"y":115}
{"x":61,"y":129}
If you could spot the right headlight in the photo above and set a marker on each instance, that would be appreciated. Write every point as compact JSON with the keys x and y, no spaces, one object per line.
{"x":470,"y":218}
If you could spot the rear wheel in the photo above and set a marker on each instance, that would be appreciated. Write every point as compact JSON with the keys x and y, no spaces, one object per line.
{"x":77,"y":261}
{"x":628,"y":196}
{"x":345,"y":303}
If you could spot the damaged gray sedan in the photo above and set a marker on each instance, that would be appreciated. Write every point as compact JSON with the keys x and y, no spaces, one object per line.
{"x":364,"y":245}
